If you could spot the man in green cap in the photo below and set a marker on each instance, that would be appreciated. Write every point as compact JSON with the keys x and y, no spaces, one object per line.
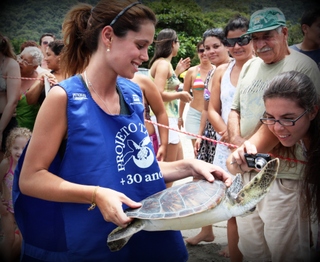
{"x":276,"y":231}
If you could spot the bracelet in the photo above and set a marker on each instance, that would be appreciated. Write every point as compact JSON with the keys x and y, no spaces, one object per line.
{"x":180,"y":119}
{"x":93,"y":202}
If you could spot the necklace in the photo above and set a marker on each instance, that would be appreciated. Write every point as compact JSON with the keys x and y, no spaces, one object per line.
{"x":88,"y":83}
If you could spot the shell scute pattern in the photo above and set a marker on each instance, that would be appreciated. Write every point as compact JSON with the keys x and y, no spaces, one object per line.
{"x":180,"y":201}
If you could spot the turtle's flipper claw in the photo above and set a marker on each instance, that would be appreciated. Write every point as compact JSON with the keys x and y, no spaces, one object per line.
{"x":120,"y":236}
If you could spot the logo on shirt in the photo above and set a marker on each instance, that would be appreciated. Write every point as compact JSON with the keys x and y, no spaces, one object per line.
{"x":135,"y":100}
{"x":79,"y":96}
{"x":129,"y":150}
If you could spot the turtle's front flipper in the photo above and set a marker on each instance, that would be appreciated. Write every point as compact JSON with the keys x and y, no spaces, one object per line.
{"x":253,"y":192}
{"x":235,"y":187}
{"x":120,"y":236}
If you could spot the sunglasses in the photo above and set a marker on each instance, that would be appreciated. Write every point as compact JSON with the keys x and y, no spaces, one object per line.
{"x":45,"y":42}
{"x":241,"y":41}
{"x":201,"y":51}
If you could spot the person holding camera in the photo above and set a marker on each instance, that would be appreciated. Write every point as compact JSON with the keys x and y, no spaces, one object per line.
{"x":293,"y":120}
{"x":269,"y":232}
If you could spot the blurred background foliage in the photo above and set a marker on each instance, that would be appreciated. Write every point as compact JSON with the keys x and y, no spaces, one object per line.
{"x":23,"y":20}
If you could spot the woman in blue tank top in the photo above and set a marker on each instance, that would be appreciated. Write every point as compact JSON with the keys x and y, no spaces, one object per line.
{"x":90,"y":147}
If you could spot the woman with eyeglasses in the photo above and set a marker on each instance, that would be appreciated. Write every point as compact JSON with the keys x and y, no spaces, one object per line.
{"x":10,"y":81}
{"x":90,"y":156}
{"x":293,"y":120}
{"x":29,"y":60}
{"x":166,"y":79}
{"x":224,"y":85}
{"x":217,"y":53}
{"x":194,"y":83}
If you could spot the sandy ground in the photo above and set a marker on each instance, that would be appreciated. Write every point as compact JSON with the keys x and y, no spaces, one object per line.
{"x":208,"y":252}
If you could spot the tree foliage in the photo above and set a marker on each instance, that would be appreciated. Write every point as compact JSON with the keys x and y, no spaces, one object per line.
{"x":23,"y":20}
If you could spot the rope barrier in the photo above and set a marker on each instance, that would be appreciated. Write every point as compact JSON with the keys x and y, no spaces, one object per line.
{"x":220,"y":142}
{"x":22,"y":78}
{"x":183,"y":132}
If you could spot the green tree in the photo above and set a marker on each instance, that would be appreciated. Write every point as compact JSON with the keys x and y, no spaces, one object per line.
{"x":29,"y":19}
{"x":187,"y":18}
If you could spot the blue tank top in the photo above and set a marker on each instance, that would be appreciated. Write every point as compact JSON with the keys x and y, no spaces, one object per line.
{"x":105,"y":150}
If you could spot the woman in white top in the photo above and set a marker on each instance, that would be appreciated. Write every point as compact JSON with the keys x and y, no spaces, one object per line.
{"x":224,"y":85}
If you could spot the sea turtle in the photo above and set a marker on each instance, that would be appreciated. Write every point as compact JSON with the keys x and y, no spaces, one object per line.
{"x":195,"y":204}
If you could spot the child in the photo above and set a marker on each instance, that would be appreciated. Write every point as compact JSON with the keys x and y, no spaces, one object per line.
{"x":11,"y":243}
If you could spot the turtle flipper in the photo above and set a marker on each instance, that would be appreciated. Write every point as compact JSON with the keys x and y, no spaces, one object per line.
{"x":256,"y":189}
{"x":235,"y":187}
{"x":120,"y":236}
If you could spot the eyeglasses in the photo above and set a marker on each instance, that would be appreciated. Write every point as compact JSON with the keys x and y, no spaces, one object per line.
{"x":201,"y":51}
{"x":23,"y":61}
{"x":122,"y":12}
{"x":241,"y":41}
{"x":283,"y":122}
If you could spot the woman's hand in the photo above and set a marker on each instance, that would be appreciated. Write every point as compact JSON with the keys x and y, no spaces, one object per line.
{"x":202,"y":169}
{"x":197,"y":146}
{"x":246,"y":147}
{"x":180,"y":122}
{"x":185,"y":96}
{"x":162,"y":151}
{"x":236,"y":161}
{"x":110,"y":204}
{"x":51,"y":79}
{"x":183,"y":65}
{"x":224,"y":136}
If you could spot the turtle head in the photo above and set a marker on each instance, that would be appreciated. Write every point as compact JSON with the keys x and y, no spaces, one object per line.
{"x":253,"y":192}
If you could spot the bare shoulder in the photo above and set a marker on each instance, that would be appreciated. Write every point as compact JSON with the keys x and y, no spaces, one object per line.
{"x":142,"y":80}
{"x":193,"y":68}
{"x":161,"y":67}
{"x":12,"y":67}
{"x":55,"y":100}
{"x":222,"y":68}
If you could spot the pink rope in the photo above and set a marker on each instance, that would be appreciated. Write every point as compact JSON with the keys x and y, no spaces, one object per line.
{"x":191,"y":134}
{"x":220,"y":142}
{"x":22,"y":78}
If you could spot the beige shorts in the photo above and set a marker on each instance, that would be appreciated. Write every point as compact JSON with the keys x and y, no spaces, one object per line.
{"x":276,"y":231}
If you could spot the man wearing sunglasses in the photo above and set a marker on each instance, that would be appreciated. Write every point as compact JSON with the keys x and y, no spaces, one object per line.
{"x":260,"y":239}
{"x":45,"y":39}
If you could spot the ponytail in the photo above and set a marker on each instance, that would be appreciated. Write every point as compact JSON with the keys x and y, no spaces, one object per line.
{"x":76,"y":54}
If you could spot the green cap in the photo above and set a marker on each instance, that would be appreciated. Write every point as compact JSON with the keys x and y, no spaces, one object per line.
{"x":266,"y":19}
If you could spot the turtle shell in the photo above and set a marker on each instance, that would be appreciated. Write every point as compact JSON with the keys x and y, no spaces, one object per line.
{"x":180,"y":201}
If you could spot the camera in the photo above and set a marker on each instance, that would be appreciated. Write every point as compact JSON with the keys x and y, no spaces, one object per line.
{"x":257,"y":161}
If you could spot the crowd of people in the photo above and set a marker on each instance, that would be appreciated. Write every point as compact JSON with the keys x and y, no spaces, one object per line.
{"x":80,"y":136}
